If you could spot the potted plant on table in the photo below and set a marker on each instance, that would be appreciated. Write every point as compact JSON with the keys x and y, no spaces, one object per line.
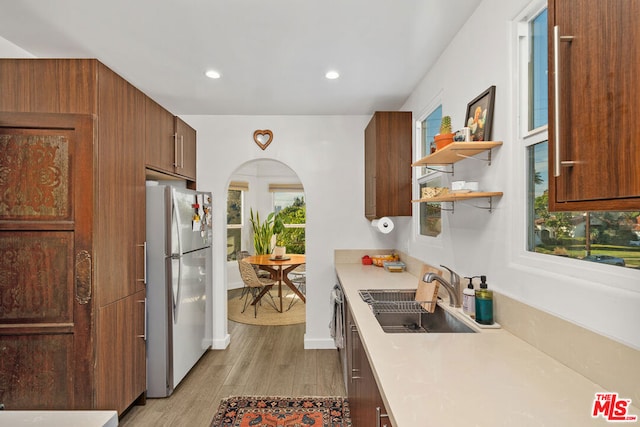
{"x":279,"y":250}
{"x":265,"y":231}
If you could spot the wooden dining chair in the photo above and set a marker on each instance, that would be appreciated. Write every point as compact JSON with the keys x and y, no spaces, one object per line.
{"x":257,"y":287}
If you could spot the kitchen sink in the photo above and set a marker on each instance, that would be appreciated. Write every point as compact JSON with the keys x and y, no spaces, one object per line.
{"x":397,"y":312}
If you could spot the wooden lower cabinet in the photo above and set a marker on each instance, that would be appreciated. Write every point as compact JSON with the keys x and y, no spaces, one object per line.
{"x":365,"y":402}
{"x":121,"y":352}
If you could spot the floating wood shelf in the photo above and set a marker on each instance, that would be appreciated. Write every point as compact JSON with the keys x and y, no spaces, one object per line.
{"x":458,"y":197}
{"x":457,"y":151}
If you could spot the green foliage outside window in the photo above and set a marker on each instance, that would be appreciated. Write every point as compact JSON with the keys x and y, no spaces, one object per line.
{"x":294,"y":237}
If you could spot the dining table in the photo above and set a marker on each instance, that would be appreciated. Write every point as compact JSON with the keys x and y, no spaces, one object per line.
{"x":279,"y":268}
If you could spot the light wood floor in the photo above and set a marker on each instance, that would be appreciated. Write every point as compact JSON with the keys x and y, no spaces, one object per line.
{"x":261,"y":360}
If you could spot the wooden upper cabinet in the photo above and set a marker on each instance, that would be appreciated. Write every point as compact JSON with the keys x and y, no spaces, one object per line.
{"x":160,"y":146}
{"x":594,"y":144}
{"x":387,"y":145}
{"x":186,"y":142}
{"x":170,"y":143}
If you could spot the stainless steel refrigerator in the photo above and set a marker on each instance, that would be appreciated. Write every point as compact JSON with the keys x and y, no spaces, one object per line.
{"x":179,"y":236}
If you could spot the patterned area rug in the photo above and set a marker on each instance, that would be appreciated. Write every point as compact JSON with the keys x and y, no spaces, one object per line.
{"x":245,"y":411}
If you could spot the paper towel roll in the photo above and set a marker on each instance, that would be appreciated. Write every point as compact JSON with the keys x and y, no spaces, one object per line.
{"x":383,"y":225}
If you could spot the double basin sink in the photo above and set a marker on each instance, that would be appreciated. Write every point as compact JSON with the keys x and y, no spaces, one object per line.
{"x":397,"y":312}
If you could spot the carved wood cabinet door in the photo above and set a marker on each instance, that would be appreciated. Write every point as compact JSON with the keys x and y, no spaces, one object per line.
{"x":46,"y":261}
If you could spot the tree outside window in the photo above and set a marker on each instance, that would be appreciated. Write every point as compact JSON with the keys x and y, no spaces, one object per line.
{"x":234,"y":223}
{"x":430,"y":213}
{"x":292,"y":209}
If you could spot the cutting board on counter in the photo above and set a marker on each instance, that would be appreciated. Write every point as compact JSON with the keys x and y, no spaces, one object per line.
{"x":428,"y":291}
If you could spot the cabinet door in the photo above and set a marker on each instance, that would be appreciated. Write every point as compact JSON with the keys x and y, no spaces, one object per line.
{"x":594,"y":142}
{"x":120,"y":344}
{"x":160,"y":144}
{"x":370,"y":171}
{"x":120,"y":180}
{"x":186,"y":142}
{"x":388,"y":139}
{"x":46,"y":261}
{"x":365,"y":402}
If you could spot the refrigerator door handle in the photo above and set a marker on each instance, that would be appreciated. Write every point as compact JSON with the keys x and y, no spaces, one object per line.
{"x":176,"y":296}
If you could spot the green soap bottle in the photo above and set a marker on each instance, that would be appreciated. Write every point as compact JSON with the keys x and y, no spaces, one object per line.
{"x":484,"y":303}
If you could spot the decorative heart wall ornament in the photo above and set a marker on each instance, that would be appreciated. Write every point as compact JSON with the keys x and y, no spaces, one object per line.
{"x":263,"y":138}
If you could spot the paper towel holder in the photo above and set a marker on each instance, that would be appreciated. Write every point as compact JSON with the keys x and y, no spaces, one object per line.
{"x":384,"y":225}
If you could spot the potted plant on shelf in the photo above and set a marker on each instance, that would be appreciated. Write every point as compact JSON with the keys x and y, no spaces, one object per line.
{"x":265,"y":231}
{"x":445,"y":137}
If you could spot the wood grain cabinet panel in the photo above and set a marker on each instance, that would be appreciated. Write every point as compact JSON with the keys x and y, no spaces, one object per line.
{"x":160,"y":144}
{"x":170,"y":143}
{"x":388,"y":164}
{"x":594,"y":144}
{"x":93,"y":204}
{"x":121,"y":352}
{"x":365,"y":402}
{"x":186,"y":140}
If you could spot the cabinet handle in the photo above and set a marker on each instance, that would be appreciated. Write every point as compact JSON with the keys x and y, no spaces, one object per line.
{"x":379,"y":416}
{"x":557,"y":38}
{"x":353,"y":377}
{"x":175,"y":150}
{"x":144,"y":248}
{"x":144,"y":335}
{"x":181,"y":151}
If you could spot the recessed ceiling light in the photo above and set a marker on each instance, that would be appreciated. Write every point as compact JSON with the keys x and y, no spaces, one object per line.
{"x":212,"y":74}
{"x":332,"y":75}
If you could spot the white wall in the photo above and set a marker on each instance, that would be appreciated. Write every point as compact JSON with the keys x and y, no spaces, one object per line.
{"x":327,"y":154}
{"x":604,"y":299}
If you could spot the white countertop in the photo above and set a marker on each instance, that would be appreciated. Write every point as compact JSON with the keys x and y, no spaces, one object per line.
{"x":59,"y":418}
{"x":490,"y":378}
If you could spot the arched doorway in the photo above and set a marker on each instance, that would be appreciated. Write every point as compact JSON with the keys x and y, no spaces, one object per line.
{"x":262,"y":186}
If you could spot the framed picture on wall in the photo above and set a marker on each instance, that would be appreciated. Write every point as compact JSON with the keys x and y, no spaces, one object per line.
{"x":480,"y":115}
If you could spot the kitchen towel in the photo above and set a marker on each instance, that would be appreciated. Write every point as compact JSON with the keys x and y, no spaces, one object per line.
{"x":336,"y":325}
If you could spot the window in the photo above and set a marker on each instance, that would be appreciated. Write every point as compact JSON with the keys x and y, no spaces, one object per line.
{"x":235,"y":215}
{"x":430,"y":213}
{"x":289,"y":203}
{"x":603,"y":237}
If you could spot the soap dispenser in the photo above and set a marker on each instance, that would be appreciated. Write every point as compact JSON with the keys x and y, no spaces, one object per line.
{"x":469,"y":299}
{"x":484,"y":303}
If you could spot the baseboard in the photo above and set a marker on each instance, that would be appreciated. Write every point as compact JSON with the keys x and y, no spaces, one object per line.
{"x":318,"y":343}
{"x":220,"y":344}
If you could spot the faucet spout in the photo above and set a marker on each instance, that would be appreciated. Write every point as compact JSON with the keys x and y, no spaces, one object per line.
{"x":455,"y":282}
{"x":454,"y":297}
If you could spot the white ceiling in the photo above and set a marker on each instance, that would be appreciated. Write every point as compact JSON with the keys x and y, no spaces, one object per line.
{"x":272,"y":54}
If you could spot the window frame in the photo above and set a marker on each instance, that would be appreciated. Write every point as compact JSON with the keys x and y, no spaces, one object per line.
{"x":521,"y":258}
{"x":422,"y":175}
{"x":242,"y":221}
{"x":289,"y":188}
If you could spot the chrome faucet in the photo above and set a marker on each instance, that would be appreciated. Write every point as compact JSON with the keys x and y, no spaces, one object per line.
{"x":453,"y":289}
